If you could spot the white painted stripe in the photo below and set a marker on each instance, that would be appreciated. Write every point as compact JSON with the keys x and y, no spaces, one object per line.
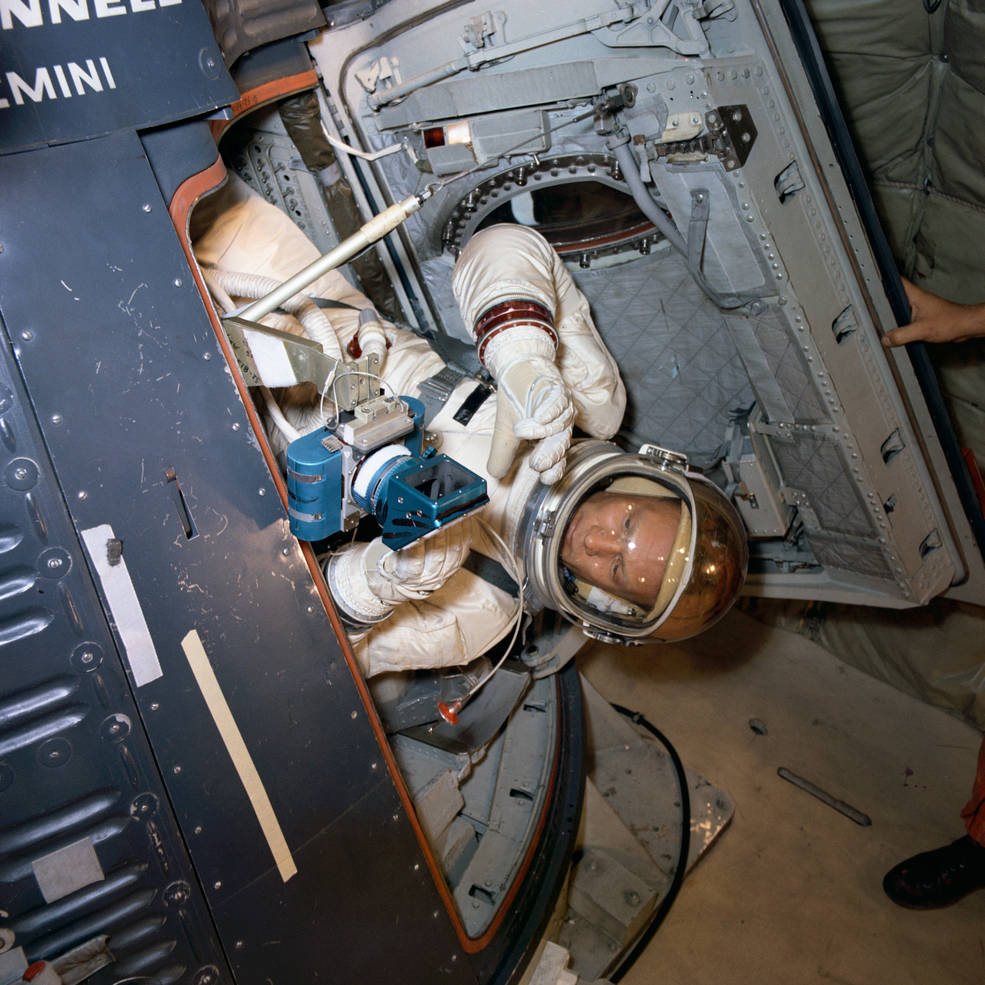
{"x":198,"y":660}
{"x":124,"y":605}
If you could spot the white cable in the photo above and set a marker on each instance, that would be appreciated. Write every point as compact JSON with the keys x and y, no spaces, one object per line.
{"x":510,"y":562}
{"x":352,"y":372}
{"x":313,"y":320}
{"x":371,"y":337}
{"x":366,"y":155}
{"x":226,"y":303}
{"x":321,"y":401}
{"x":286,"y":428}
{"x":334,"y":378}
{"x":217,"y":291}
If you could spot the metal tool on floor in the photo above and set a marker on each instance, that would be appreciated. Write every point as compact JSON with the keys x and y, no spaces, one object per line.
{"x":839,"y":805}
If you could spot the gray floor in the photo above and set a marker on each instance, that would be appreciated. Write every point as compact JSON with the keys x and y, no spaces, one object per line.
{"x":791,"y":892}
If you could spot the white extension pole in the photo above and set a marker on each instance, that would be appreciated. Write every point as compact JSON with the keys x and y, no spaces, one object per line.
{"x":366,"y":235}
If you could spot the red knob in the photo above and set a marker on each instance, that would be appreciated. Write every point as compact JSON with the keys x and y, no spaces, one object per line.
{"x":449,"y":712}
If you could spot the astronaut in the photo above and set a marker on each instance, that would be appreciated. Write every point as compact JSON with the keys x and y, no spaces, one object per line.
{"x":630,"y":547}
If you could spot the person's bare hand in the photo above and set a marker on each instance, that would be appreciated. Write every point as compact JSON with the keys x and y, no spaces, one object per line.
{"x":936,"y":320}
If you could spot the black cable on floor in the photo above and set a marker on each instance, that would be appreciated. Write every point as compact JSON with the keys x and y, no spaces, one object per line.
{"x":665,"y":904}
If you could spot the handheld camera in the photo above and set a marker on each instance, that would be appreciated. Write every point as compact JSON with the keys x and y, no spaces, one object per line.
{"x":373,"y":461}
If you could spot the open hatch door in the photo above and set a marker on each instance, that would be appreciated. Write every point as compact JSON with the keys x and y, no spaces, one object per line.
{"x":754,"y":346}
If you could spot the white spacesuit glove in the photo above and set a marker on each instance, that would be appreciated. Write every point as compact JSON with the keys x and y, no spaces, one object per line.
{"x":532,"y":402}
{"x":368,"y":581}
{"x":509,"y":277}
{"x":506,"y":285}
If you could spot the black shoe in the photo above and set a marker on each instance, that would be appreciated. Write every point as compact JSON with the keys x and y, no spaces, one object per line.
{"x":937,"y":878}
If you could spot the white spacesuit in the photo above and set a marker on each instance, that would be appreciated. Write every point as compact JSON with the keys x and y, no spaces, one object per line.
{"x":419,"y":607}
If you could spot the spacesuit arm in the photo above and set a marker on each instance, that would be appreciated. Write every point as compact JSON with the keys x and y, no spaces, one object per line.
{"x":246,"y":244}
{"x":534,"y":333}
{"x":237,"y":229}
{"x":369,"y":580}
{"x":587,"y":367}
{"x":250,"y":246}
{"x":503,"y":284}
{"x":450,"y":628}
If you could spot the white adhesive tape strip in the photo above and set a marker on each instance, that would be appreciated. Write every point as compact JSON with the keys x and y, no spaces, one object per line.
{"x":270,"y":358}
{"x":205,"y":677}
{"x":104,"y":550}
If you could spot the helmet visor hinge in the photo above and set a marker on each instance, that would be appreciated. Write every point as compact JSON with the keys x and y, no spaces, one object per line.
{"x":544,"y":525}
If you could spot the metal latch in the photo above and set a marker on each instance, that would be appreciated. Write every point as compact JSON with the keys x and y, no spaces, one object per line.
{"x":788,"y":182}
{"x":544,"y":526}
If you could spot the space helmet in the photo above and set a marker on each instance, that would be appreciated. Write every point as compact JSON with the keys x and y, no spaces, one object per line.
{"x":697,"y":570}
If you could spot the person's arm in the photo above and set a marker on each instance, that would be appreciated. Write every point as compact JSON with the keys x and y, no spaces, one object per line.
{"x":368,"y":580}
{"x":449,"y":628}
{"x":535,"y":335}
{"x":934,"y":319}
{"x":505,"y":290}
